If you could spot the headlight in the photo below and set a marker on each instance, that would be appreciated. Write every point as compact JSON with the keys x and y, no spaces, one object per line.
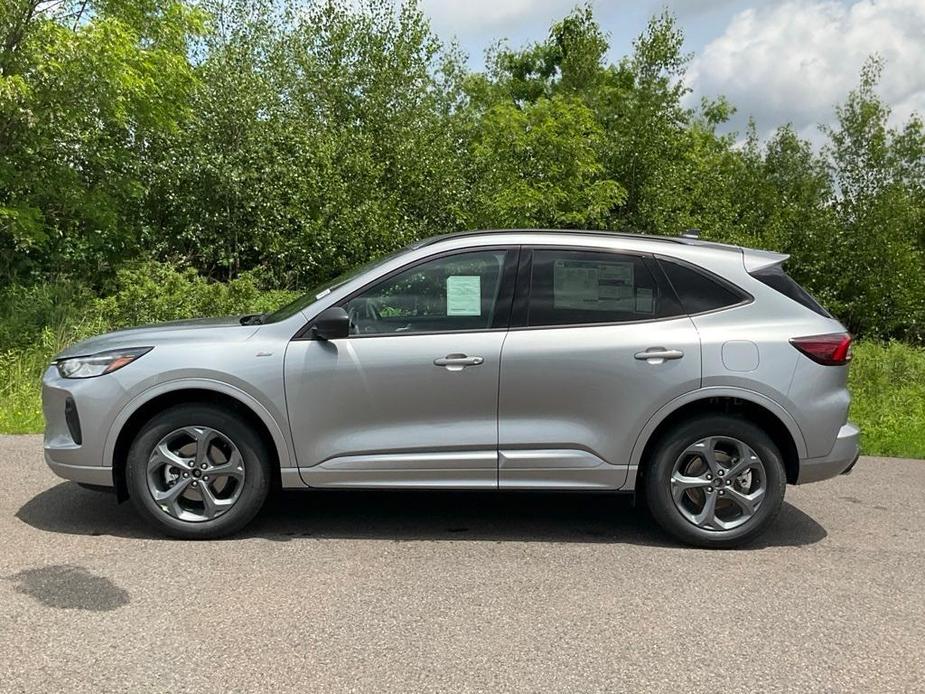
{"x":100,"y":363}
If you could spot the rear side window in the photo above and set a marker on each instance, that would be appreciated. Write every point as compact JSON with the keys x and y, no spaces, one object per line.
{"x":569,"y":287}
{"x":697,"y":291}
{"x":776,"y":278}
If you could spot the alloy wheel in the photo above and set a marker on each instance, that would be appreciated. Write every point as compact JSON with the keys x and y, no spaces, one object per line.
{"x":195,"y":474}
{"x":718,"y":483}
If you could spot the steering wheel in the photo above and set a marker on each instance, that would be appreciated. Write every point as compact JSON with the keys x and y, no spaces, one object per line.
{"x":362,"y":311}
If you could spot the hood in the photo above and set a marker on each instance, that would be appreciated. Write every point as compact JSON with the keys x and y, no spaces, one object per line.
{"x":227,"y":328}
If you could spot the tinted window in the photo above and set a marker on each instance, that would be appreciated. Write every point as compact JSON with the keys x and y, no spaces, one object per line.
{"x":697,"y":291}
{"x":575,"y":287}
{"x":448,"y":294}
{"x":776,"y":278}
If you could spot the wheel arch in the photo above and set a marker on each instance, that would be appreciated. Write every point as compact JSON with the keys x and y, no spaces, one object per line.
{"x":130,"y":420}
{"x":760,"y":409}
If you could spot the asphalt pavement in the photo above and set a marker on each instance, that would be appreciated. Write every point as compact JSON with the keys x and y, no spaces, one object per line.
{"x":460,"y":592}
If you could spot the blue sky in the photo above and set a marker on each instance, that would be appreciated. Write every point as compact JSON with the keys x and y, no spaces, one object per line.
{"x":777,"y":60}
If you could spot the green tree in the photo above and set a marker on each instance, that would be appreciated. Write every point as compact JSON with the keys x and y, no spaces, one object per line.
{"x":645,"y":121}
{"x":320,"y":137}
{"x":282,"y":142}
{"x":877,"y":255}
{"x":539,"y":166}
{"x":83,"y":88}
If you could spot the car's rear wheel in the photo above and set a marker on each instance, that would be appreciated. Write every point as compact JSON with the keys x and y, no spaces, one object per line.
{"x":197,"y":472}
{"x":715,"y":481}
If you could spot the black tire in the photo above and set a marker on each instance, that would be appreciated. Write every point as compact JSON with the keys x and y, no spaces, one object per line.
{"x":256,"y":472}
{"x":657,"y":480}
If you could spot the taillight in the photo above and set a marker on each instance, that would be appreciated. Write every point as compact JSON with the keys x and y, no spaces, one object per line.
{"x":833,"y":349}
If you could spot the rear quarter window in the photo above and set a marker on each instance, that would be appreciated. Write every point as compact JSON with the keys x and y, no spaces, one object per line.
{"x":698,"y":291}
{"x":777,"y":279}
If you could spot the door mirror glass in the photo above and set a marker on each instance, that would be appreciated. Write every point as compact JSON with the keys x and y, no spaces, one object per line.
{"x":331,"y":324}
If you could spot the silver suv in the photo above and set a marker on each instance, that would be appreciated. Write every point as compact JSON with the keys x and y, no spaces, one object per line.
{"x":696,"y":375}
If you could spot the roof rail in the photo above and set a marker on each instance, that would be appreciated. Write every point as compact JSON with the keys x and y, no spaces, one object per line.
{"x":589,"y":232}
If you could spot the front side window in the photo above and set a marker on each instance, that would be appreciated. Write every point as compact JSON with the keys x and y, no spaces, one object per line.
{"x":449,"y":294}
{"x":569,"y":287}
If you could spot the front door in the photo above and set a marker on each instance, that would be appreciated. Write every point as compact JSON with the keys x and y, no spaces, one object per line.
{"x":410,"y":398}
{"x":602,"y":344}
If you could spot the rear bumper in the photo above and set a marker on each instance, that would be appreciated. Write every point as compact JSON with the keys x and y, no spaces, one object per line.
{"x":841,"y":459}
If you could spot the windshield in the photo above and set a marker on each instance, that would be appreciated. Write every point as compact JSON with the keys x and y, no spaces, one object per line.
{"x":322,"y":290}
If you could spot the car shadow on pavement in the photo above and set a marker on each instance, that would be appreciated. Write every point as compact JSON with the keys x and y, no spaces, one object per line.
{"x":407,"y":516}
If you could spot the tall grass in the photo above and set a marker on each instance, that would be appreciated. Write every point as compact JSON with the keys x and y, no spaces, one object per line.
{"x":35,"y":324}
{"x":887,"y":384}
{"x":20,"y":382}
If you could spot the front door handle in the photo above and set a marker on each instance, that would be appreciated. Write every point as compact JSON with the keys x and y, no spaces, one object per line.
{"x":458,"y":362}
{"x":656,"y":355}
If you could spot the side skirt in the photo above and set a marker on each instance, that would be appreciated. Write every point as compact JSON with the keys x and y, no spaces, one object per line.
{"x":542,"y":469}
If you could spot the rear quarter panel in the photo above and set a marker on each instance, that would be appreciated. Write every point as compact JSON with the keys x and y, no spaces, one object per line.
{"x":816,"y":396}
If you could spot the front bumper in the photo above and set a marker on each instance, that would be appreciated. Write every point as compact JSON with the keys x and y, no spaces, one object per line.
{"x":841,"y":459}
{"x":74,"y":450}
{"x":99,"y":476}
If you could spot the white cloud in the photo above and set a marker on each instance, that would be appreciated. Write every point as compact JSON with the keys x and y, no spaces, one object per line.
{"x":794,"y":61}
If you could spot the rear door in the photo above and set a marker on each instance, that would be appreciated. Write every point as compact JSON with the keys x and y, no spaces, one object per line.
{"x":598,"y":344}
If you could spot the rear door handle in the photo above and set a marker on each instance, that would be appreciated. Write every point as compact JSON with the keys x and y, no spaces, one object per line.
{"x":656,"y":355}
{"x":458,"y":362}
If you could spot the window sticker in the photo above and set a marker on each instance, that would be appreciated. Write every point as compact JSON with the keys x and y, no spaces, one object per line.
{"x":464,"y":295}
{"x":645,"y":301}
{"x":575,"y":284}
{"x":594,"y":286}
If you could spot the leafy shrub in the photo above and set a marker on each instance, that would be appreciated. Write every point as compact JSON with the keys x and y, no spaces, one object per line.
{"x":155,"y":292}
{"x":39,"y":321}
{"x":58,"y":307}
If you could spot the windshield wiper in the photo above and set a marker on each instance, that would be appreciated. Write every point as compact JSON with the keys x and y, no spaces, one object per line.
{"x":252,"y":319}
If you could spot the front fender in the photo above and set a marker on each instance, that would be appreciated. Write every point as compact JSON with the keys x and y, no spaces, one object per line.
{"x":283,"y":446}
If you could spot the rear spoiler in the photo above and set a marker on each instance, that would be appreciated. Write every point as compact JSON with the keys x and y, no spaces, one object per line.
{"x":755,"y":259}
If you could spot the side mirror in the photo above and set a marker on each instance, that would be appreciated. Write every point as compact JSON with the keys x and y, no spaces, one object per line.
{"x":331,"y":324}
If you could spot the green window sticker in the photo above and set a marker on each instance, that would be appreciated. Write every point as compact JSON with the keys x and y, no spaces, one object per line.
{"x":464,"y":295}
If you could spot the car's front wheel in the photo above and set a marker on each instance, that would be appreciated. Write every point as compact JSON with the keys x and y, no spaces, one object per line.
{"x":197,"y":472}
{"x":716,"y":481}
